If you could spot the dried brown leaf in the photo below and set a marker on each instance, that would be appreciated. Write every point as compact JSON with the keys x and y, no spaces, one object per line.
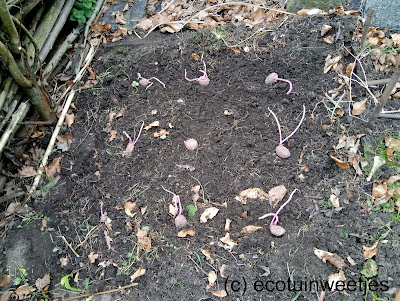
{"x":69,"y":119}
{"x":222,"y":270}
{"x":108,"y":239}
{"x":5,"y":296}
{"x":5,"y":280}
{"x":227,"y":242}
{"x":195,"y":57}
{"x":250,"y":229}
{"x":185,"y":233}
{"x":26,"y":172}
{"x":41,"y":283}
{"x":358,"y":107}
{"x":140,"y":272}
{"x":208,"y":255}
{"x":54,"y":167}
{"x":64,"y":261}
{"x":252,"y":193}
{"x":129,"y":207}
{"x":144,"y":240}
{"x":222,"y":293}
{"x":101,"y":28}
{"x":24,"y":291}
{"x":93,"y":256}
{"x":324,"y":29}
{"x":370,"y":252}
{"x":152,"y":125}
{"x":160,"y":133}
{"x":340,"y":163}
{"x":335,"y":278}
{"x":208,"y":214}
{"x":44,"y":225}
{"x":331,"y":63}
{"x":113,"y":135}
{"x":393,"y":145}
{"x":350,"y":69}
{"x":333,"y":258}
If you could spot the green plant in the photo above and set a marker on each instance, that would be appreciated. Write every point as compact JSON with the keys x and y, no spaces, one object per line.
{"x":22,"y":276}
{"x":219,"y":32}
{"x":191,"y":209}
{"x":345,"y":234}
{"x":29,"y":218}
{"x":82,"y":10}
{"x":326,"y":205}
{"x":65,"y":283}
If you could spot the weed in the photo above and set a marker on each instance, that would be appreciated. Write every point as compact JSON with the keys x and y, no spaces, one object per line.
{"x":345,"y":234}
{"x":82,"y":10}
{"x":326,"y":205}
{"x":179,"y":283}
{"x":65,"y":283}
{"x":29,"y":218}
{"x":22,"y":275}
{"x":120,"y":49}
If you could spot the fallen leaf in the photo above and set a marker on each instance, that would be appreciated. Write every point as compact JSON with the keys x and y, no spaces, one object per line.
{"x":41,"y":283}
{"x":228,"y":224}
{"x":334,"y":200}
{"x":44,"y":225}
{"x":324,"y":29}
{"x":37,"y":134}
{"x":64,"y":142}
{"x":212,"y":278}
{"x":340,"y":163}
{"x":113,"y":135}
{"x":333,"y":258}
{"x":351,"y":261}
{"x":370,"y":252}
{"x":208,"y":214}
{"x":24,"y":291}
{"x":69,"y":119}
{"x":370,"y":268}
{"x":143,"y":210}
{"x":393,"y":145}
{"x":222,"y":293}
{"x":222,"y":270}
{"x":5,"y":296}
{"x":140,"y":272}
{"x":228,"y":243}
{"x":252,"y":193}
{"x":208,"y":255}
{"x":5,"y":280}
{"x":64,"y":261}
{"x":250,"y":229}
{"x":195,"y":57}
{"x":27,"y":172}
{"x":358,"y":107}
{"x":93,"y":256}
{"x":353,"y":160}
{"x":333,"y":279}
{"x":331,"y":63}
{"x":161,"y":133}
{"x":129,"y":207}
{"x":276,"y":194}
{"x":144,"y":240}
{"x":329,"y":40}
{"x":16,"y":208}
{"x":54,"y":167}
{"x":108,"y":240}
{"x":152,"y":125}
{"x":185,"y":233}
{"x":350,"y":69}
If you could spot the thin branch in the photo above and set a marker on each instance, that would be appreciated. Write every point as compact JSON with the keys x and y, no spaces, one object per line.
{"x":51,"y":144}
{"x":62,"y":18}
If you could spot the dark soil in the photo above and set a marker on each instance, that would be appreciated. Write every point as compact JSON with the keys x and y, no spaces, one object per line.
{"x":235,"y":152}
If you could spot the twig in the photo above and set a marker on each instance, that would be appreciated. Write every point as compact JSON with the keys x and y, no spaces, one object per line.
{"x":103,"y":292}
{"x":367,"y":24}
{"x":197,"y":265}
{"x":69,"y":245}
{"x":13,"y":125}
{"x":8,"y":197}
{"x":378,"y":82}
{"x":384,"y":97}
{"x":390,"y":116}
{"x":62,"y":18}
{"x":6,"y":88}
{"x":51,"y":143}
